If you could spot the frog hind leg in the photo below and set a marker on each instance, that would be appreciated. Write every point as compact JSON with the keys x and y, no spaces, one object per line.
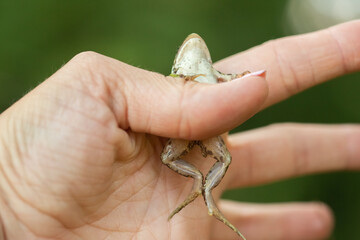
{"x":223,"y":159}
{"x":171,"y":156}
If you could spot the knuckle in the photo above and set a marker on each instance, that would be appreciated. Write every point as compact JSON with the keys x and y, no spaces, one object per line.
{"x":90,"y":67}
{"x":87,"y":59}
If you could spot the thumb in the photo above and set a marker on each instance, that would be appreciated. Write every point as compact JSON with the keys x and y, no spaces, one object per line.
{"x":149,"y":102}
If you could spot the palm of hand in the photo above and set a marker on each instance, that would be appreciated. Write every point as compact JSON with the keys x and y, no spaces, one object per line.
{"x":94,"y":180}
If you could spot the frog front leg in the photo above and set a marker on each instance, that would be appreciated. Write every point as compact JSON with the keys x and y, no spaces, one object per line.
{"x":223,"y":77}
{"x":173,"y":151}
{"x":216,"y":148}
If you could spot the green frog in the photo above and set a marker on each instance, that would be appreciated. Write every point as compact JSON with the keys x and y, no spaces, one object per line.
{"x":193,"y":63}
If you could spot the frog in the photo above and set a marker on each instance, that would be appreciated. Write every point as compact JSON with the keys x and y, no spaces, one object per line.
{"x":193,"y":63}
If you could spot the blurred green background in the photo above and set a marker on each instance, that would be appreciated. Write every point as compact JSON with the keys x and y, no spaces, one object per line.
{"x":38,"y":37}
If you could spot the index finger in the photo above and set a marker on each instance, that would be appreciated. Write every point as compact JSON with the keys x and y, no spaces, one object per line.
{"x":299,"y":62}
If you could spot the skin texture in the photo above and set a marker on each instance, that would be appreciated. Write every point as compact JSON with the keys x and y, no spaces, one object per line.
{"x":79,"y":154}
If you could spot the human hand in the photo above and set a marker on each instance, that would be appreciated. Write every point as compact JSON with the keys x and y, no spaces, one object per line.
{"x":80,"y":153}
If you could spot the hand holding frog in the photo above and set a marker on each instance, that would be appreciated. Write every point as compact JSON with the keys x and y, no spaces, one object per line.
{"x":80,"y":153}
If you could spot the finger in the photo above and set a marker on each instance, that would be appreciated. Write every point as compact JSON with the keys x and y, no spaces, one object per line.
{"x":286,"y":150}
{"x":299,"y":62}
{"x":292,"y":221}
{"x":149,"y":102}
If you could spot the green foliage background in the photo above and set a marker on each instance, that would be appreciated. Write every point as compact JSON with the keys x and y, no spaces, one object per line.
{"x":38,"y":37}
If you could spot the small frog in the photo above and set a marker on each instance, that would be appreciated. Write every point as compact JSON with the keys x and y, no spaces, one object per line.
{"x":193,"y":62}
